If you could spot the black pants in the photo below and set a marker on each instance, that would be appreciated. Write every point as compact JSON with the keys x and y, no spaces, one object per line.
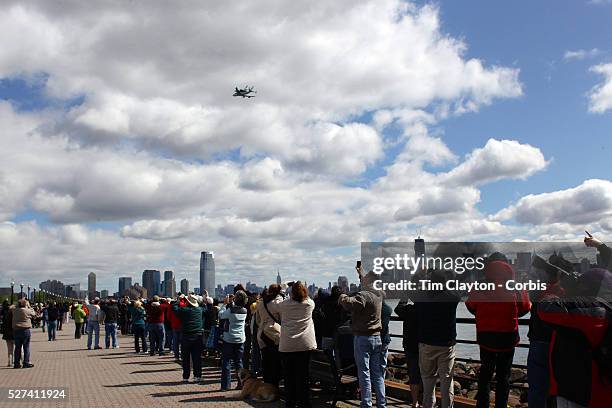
{"x":191,"y":347}
{"x":77,"y":330}
{"x":271,"y":365}
{"x":139,"y":334}
{"x":499,"y":362}
{"x":296,"y":369}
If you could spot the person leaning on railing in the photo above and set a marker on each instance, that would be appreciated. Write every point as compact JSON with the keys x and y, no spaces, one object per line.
{"x":497,"y":312}
{"x":437,"y":335}
{"x":407,"y":312}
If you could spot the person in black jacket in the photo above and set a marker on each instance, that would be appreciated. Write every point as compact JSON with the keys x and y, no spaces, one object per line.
{"x":111,"y":317}
{"x":437,"y":334}
{"x":52,"y":317}
{"x":407,"y":312}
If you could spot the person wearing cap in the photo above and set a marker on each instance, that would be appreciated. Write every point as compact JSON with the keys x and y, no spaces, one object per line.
{"x":189,"y":312}
{"x":155,"y":320}
{"x":365,"y":307}
{"x":234,"y":313}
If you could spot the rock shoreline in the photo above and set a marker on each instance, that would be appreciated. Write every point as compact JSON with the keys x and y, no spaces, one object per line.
{"x":465,"y":380}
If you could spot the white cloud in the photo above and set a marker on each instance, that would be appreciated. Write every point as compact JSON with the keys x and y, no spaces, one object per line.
{"x":498,"y":159}
{"x":600,"y":97}
{"x":590,"y":202}
{"x":315,"y":64}
{"x":581,"y":54}
{"x":161,"y":150}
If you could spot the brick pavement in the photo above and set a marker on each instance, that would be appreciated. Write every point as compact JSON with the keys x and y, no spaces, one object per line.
{"x":116,"y":377}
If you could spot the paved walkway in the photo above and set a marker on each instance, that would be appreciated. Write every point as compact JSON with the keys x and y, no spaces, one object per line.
{"x":114,"y":377}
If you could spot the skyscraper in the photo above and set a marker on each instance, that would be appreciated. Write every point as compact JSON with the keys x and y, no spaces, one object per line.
{"x":184,"y":286}
{"x":207,"y":272}
{"x":91,"y":284}
{"x":343,"y":283}
{"x":168,"y":275}
{"x":278,"y":277}
{"x":169,"y":284}
{"x":151,"y":281}
{"x":124,"y":284}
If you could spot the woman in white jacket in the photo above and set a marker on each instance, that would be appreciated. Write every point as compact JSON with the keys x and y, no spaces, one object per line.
{"x":297,"y":340}
{"x":268,"y":334}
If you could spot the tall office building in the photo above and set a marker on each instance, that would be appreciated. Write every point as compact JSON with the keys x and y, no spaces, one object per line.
{"x":343,"y":283}
{"x":207,"y":272}
{"x":184,"y":286}
{"x":124,"y":284}
{"x":169,"y":284}
{"x":168,"y":275}
{"x":278,"y":277}
{"x":53,"y":286}
{"x":151,"y":281}
{"x":91,"y":284}
{"x":72,"y":290}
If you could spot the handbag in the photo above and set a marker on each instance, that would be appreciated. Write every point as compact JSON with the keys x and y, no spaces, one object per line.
{"x":264,"y":337}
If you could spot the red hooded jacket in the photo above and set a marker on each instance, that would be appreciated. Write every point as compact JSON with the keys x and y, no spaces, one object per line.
{"x":497,"y":311}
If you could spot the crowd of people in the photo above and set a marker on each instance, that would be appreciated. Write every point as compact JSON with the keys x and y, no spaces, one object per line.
{"x":273,"y":334}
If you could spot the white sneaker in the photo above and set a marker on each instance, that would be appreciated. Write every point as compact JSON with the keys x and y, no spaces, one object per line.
{"x":197,"y":380}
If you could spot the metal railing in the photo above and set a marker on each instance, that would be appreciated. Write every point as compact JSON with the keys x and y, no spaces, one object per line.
{"x":461,"y":320}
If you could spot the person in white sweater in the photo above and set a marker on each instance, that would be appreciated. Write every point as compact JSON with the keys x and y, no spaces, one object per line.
{"x":297,"y":340}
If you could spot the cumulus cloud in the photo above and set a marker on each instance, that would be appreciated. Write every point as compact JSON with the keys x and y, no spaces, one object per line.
{"x":590,"y":202}
{"x":340,"y":145}
{"x":498,"y":159}
{"x":315,"y":63}
{"x":600,"y":97}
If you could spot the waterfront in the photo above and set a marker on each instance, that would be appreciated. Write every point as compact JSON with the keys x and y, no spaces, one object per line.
{"x":464,"y":332}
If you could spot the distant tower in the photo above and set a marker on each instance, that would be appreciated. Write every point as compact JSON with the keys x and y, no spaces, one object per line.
{"x":207,"y":272}
{"x":91,"y":284}
{"x":278,"y":277}
{"x":151,"y":281}
{"x":184,"y":286}
{"x":124,"y":284}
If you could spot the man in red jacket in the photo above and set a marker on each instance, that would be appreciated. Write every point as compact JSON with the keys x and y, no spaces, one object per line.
{"x":497,"y":312}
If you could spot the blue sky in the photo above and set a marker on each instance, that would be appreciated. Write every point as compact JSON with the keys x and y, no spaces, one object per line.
{"x":124,"y":151}
{"x":552,"y":113}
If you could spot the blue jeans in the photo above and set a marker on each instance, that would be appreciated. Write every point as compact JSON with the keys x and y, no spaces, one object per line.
{"x":539,"y":376}
{"x":51,"y":326}
{"x":139,"y":337}
{"x":192,"y":353}
{"x":22,"y":339}
{"x":177,"y":335}
{"x":230,"y":352}
{"x":93,"y":328}
{"x":111,"y":333}
{"x":369,"y":357}
{"x":156,"y":338}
